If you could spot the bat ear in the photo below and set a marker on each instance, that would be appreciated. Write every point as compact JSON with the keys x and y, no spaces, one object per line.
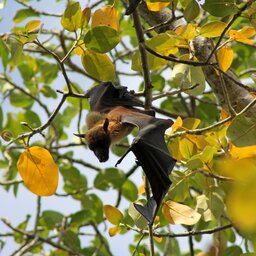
{"x":105,"y":125}
{"x":80,"y":135}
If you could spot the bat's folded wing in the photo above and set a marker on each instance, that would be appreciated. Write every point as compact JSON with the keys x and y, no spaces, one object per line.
{"x":105,"y":96}
{"x":153,"y":156}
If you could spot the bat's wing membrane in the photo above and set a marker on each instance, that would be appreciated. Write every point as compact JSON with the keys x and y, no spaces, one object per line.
{"x":106,"y":96}
{"x":153,"y":155}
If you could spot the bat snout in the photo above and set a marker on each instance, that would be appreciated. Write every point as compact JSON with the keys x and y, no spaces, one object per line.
{"x":103,"y":159}
{"x":101,"y":154}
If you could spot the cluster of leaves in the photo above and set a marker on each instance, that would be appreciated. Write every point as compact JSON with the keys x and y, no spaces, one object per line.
{"x":213,"y":184}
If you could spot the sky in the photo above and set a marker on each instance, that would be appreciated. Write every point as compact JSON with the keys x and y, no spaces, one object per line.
{"x":16,"y":208}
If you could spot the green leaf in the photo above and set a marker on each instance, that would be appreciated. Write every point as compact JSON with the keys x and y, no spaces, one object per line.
{"x":68,"y":114}
{"x":191,"y":123}
{"x":92,"y":201}
{"x":13,"y":124}
{"x":164,"y":43}
{"x":71,"y":239}
{"x":16,"y":49}
{"x":24,"y":14}
{"x":242,"y":131}
{"x":210,"y":206}
{"x":220,"y":8}
{"x":187,"y":148}
{"x":234,"y":250}
{"x":186,"y":76}
{"x":71,"y":19}
{"x":27,"y":71}
{"x":98,"y":65}
{"x":51,"y":219}
{"x":48,"y":92}
{"x":82,"y":217}
{"x":109,"y":177}
{"x":4,"y":52}
{"x":129,"y":190}
{"x":73,"y":179}
{"x":31,"y":118}
{"x":101,"y":39}
{"x":208,"y":154}
{"x":49,"y":71}
{"x":212,"y":29}
{"x":196,"y":78}
{"x":138,"y":219}
{"x":195,"y":162}
{"x":191,"y":11}
{"x":153,"y":62}
{"x":20,"y":100}
{"x":179,"y":189}
{"x":119,"y":150}
{"x":1,"y":118}
{"x":18,"y":237}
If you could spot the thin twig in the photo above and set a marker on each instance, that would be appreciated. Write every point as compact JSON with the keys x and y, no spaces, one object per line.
{"x":138,"y":244}
{"x":38,"y":211}
{"x":37,"y":11}
{"x":10,"y":182}
{"x":174,"y":59}
{"x":184,"y":234}
{"x":44,"y":107}
{"x":42,"y":239}
{"x":102,"y":239}
{"x":61,"y":64}
{"x":208,"y":128}
{"x":174,"y":92}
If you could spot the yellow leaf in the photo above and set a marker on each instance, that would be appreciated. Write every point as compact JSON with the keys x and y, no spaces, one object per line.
{"x":177,"y":124}
{"x":85,"y":18}
{"x":80,"y":48}
{"x":247,"y":31}
{"x":176,"y":213}
{"x":198,"y":140}
{"x":39,"y":171}
{"x":243,"y":152}
{"x":174,"y":148}
{"x":72,"y":17}
{"x":242,"y":35}
{"x":187,"y":32}
{"x":156,"y":6}
{"x":142,"y":189}
{"x":114,"y":231}
{"x":241,"y":203}
{"x":187,"y":148}
{"x":32,"y":25}
{"x":224,"y":114}
{"x":158,"y":239}
{"x":106,"y":16}
{"x":225,"y":57}
{"x":113,"y":215}
{"x":212,"y":29}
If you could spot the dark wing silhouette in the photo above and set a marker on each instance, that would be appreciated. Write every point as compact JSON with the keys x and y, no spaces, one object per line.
{"x":106,"y":96}
{"x":153,"y":156}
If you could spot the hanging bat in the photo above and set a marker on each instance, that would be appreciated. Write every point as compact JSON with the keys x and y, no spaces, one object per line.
{"x":113,"y":115}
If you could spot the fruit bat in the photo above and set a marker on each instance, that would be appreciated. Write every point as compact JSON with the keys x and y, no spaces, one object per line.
{"x":113,"y":115}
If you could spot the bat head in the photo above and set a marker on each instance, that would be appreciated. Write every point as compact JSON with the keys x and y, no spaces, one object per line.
{"x":98,"y":140}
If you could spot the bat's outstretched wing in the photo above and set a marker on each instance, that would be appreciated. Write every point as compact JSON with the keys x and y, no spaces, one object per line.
{"x":106,"y":96}
{"x":153,"y":155}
